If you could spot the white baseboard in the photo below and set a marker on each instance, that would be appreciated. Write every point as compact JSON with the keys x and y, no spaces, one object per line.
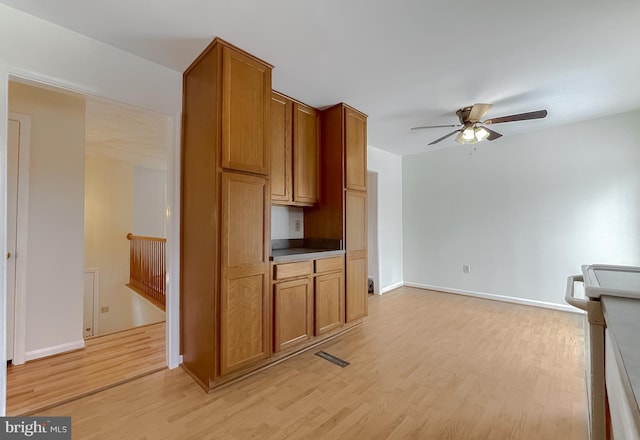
{"x":503,"y":298}
{"x":391,"y":287}
{"x":50,"y":351}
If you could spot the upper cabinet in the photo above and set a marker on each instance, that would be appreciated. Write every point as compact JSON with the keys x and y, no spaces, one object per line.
{"x":281,"y":132}
{"x":306,"y":148}
{"x":246,"y":94}
{"x":295,"y":150}
{"x":355,"y":149}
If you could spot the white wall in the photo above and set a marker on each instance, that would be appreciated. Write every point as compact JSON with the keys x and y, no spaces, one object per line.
{"x":35,"y":49}
{"x":525,"y":211}
{"x":149,"y":202}
{"x":390,"y":227}
{"x":283,"y":222}
{"x":55,"y":283}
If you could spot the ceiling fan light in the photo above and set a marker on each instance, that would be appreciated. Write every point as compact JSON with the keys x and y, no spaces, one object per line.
{"x":481,"y":134}
{"x":468,"y":134}
{"x":460,"y":138}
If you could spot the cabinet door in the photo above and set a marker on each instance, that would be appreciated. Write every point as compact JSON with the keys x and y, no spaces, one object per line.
{"x":329,"y":302}
{"x":293,"y":313}
{"x":246,"y":93}
{"x":306,"y":145}
{"x":355,"y":150}
{"x":281,"y":167}
{"x":356,"y":254}
{"x":244,"y":296}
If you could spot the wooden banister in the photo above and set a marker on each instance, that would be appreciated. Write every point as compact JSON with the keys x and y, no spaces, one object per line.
{"x":147,"y":267}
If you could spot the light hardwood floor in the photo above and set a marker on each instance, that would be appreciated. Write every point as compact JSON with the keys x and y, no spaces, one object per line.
{"x":425,"y":365}
{"x":104,"y":362}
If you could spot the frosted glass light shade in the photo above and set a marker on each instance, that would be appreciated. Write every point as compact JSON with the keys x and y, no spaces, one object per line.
{"x":481,"y":134}
{"x":468,"y":134}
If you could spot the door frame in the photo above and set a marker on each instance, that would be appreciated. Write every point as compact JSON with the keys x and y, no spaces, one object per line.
{"x":22,"y":226}
{"x":13,"y":73}
{"x":372,"y":230}
{"x":95,"y":292}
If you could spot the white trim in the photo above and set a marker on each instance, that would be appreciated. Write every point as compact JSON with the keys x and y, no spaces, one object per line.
{"x":4,"y":90}
{"x":391,"y":287}
{"x":22,"y":236}
{"x":56,"y":349}
{"x":173,"y":247}
{"x":503,"y":298}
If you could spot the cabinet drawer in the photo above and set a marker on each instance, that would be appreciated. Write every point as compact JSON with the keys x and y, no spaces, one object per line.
{"x":329,"y":264}
{"x":290,"y":270}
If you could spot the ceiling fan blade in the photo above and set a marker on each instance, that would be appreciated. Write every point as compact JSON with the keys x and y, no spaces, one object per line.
{"x":493,"y":135}
{"x":443,"y":137}
{"x":539,"y":114}
{"x":435,"y":126}
{"x":478,"y":111}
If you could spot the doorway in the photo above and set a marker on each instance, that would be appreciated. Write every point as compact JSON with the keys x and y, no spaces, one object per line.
{"x":56,"y":194}
{"x":18,"y":145}
{"x":372,"y":228}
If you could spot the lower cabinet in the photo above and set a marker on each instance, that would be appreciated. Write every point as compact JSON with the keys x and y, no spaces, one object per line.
{"x":329,"y":302}
{"x":308,"y":300}
{"x":357,"y":296}
{"x":293,"y":313}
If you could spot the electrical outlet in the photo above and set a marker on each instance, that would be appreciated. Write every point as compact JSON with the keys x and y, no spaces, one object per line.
{"x":298,"y":225}
{"x":466,"y":268}
{"x":104,"y":309}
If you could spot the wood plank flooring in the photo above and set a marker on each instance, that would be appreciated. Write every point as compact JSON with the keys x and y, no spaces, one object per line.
{"x":425,"y":365}
{"x":104,"y":362}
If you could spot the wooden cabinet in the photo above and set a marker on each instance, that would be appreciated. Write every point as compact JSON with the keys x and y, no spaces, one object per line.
{"x":293,"y":313}
{"x":293,"y":304}
{"x":225,"y":215}
{"x":281,"y":156}
{"x":308,"y":298}
{"x":246,"y":98}
{"x":356,"y":255}
{"x":342,"y":211}
{"x":355,"y":150}
{"x":329,"y":294}
{"x":306,"y":148}
{"x":244,"y":302}
{"x":295,"y":149}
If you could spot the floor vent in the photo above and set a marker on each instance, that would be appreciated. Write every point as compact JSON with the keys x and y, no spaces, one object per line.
{"x":339,"y":362}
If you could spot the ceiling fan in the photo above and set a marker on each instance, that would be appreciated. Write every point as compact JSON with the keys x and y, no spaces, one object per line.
{"x":471,"y":131}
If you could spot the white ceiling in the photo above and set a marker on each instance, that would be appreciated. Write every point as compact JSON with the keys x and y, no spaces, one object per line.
{"x":404,"y":63}
{"x":126,"y":133}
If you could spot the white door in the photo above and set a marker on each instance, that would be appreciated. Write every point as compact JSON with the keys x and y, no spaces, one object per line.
{"x":13,"y":147}
{"x":18,"y":144}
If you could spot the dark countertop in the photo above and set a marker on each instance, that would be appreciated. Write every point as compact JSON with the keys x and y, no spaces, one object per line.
{"x":302,"y":253}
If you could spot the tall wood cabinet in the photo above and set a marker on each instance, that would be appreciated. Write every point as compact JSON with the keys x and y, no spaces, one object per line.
{"x":342,"y":211}
{"x":225,"y":213}
{"x":295,"y":151}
